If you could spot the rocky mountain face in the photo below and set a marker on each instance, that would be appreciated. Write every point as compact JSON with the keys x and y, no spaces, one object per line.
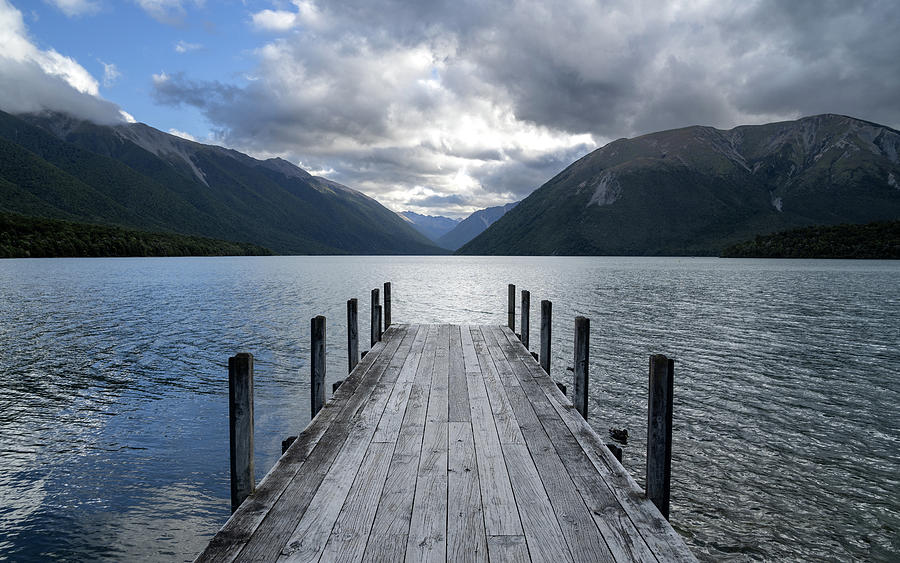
{"x":432,"y":226}
{"x":698,"y":189}
{"x":132,"y":175}
{"x":472,"y":226}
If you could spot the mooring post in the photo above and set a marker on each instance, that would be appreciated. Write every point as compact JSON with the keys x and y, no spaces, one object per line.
{"x":317,"y":365}
{"x":659,"y":431}
{"x":387,"y":305}
{"x":546,"y":313}
{"x":582,"y":359}
{"x":286,"y":443}
{"x":373,"y":327}
{"x":526,"y":314}
{"x":240,"y":425}
{"x":352,"y":334}
{"x":378,"y":331}
{"x":616,"y":451}
{"x":511,"y":308}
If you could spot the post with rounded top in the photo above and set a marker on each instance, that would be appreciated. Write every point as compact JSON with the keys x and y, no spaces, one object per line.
{"x":378,"y":331}
{"x":240,"y":423}
{"x":352,"y":334}
{"x":546,"y":313}
{"x":373,"y":327}
{"x":582,"y":361}
{"x":511,"y":307}
{"x":387,"y":305}
{"x":317,"y":365}
{"x":659,"y":431}
{"x":526,"y":316}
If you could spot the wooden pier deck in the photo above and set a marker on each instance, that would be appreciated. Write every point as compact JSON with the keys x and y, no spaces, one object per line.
{"x":447,"y":443}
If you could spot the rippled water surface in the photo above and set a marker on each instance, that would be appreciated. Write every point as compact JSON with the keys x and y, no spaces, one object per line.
{"x":113,"y":387}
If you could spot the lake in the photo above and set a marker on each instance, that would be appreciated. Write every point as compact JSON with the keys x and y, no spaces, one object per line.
{"x":113,"y":387}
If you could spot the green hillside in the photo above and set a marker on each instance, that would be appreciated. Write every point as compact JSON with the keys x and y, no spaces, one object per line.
{"x":29,"y":237}
{"x":878,"y":240}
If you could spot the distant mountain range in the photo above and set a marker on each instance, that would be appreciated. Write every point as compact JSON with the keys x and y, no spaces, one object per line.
{"x":694,"y":191}
{"x":135,"y":176}
{"x":472,"y":226}
{"x":433,"y":227}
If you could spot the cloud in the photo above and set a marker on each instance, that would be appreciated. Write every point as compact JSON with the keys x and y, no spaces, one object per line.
{"x":182,"y":134}
{"x":185,"y":47}
{"x":73,"y":8}
{"x":34,"y":80}
{"x":110,"y":74}
{"x":171,"y":12}
{"x":489,"y":100}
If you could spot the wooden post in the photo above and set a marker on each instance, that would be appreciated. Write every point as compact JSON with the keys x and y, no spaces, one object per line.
{"x":387,"y":305}
{"x":582,"y":360}
{"x":526,"y":314}
{"x":511,"y":308}
{"x":352,"y":334}
{"x":286,"y":443}
{"x":317,"y":365}
{"x":378,"y":331}
{"x":659,"y":431}
{"x":335,"y":385}
{"x":616,"y":451}
{"x":240,"y":425}
{"x":546,"y":313}
{"x":373,"y":327}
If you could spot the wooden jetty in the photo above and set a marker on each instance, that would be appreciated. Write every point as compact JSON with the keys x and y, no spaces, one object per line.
{"x":445,"y":443}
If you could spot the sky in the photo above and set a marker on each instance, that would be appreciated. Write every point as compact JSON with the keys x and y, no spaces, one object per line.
{"x":444,"y":108}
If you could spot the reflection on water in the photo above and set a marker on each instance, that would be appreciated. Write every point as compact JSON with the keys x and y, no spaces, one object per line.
{"x":113,"y":387}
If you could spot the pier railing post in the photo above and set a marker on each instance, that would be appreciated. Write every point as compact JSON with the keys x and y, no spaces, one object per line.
{"x":352,"y":334}
{"x":511,"y":308}
{"x":240,"y":425}
{"x":317,"y":365}
{"x":378,"y":331}
{"x":526,"y":316}
{"x":582,"y":361}
{"x":659,"y":431}
{"x":387,"y":305}
{"x":373,"y":327}
{"x":546,"y":314}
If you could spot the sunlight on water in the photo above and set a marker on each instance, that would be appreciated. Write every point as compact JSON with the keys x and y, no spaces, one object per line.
{"x":113,"y":386}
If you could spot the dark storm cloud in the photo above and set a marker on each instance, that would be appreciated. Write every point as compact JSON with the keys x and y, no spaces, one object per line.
{"x":489,"y":100}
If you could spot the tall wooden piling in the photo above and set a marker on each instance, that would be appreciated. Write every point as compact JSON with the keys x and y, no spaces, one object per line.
{"x":546,"y":314}
{"x":373,"y":326}
{"x":352,"y":334}
{"x":582,"y":361}
{"x":526,"y":316}
{"x":511,"y":307}
{"x":317,"y":365}
{"x":387,"y":305}
{"x":378,"y":330}
{"x":240,"y":425}
{"x":659,"y":431}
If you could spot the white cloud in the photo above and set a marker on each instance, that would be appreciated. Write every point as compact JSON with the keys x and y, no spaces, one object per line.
{"x":185,"y":47}
{"x":182,"y":134}
{"x":33,"y":80}
{"x":110,"y":74}
{"x":73,"y":8}
{"x":170,"y":12}
{"x":306,"y":14}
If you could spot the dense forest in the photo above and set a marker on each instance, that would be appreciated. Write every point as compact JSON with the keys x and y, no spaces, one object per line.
{"x":29,"y":237}
{"x":879,"y":240}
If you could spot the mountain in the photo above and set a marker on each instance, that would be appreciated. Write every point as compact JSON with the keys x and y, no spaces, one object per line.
{"x":472,"y":226}
{"x":134,"y":176}
{"x":431,"y":226}
{"x":877,"y":240}
{"x":698,"y":189}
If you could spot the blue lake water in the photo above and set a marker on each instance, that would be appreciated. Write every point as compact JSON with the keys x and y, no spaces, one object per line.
{"x":113,"y":387}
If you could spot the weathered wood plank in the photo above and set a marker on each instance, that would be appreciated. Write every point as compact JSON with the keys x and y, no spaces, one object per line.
{"x":507,"y":426}
{"x":542,"y":532}
{"x":234,"y":535}
{"x":470,"y":357}
{"x":283,"y":518}
{"x":465,"y":523}
{"x":458,"y":393}
{"x":392,"y":417}
{"x":617,"y":484}
{"x":428,"y":528}
{"x":387,"y":540}
{"x":351,"y":530}
{"x":501,"y":515}
{"x":508,"y":549}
